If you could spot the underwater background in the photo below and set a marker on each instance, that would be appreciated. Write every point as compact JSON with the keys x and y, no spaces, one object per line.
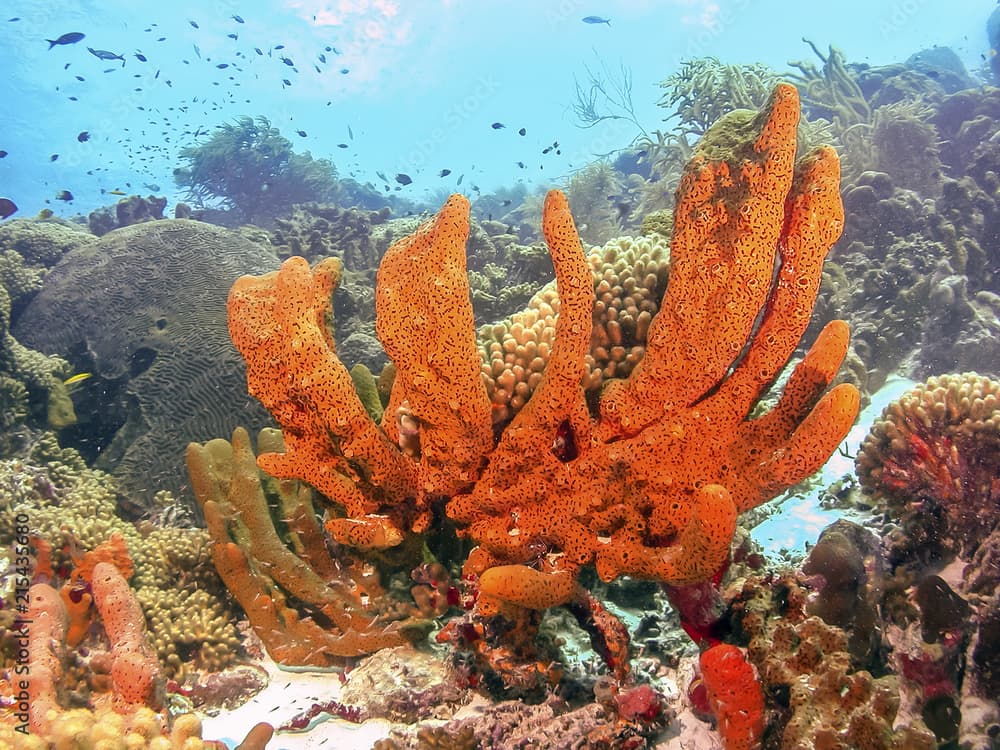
{"x":383,"y":374}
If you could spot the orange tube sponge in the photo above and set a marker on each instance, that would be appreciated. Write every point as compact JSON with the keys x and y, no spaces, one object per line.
{"x":734,"y":695}
{"x":652,"y":488}
{"x":135,"y":672}
{"x":646,"y":482}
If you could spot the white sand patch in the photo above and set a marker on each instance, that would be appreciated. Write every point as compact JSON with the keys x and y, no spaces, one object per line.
{"x":287,"y":695}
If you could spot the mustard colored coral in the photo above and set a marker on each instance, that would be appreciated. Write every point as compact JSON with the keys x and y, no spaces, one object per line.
{"x":939,"y":445}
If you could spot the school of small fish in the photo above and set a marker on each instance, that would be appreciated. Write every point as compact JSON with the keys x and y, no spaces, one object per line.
{"x":147,"y":148}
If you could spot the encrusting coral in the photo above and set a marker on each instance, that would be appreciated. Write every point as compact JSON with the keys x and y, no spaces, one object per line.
{"x":650,"y":487}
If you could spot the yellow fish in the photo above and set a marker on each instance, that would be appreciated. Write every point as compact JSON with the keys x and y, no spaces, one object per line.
{"x":78,"y":378}
{"x":45,"y":213}
{"x":117,"y":192}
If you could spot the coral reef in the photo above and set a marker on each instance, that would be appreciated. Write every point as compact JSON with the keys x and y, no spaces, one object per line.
{"x":131,"y":210}
{"x":535,"y":487}
{"x":320,"y":230}
{"x":704,"y":89}
{"x":831,"y":92}
{"x":932,"y":458}
{"x":31,"y":383}
{"x":73,"y":511}
{"x":552,"y":724}
{"x":652,"y":486}
{"x":588,"y":191}
{"x":150,"y":331}
{"x":920,"y":260}
{"x":805,"y":667}
{"x":232,"y":165}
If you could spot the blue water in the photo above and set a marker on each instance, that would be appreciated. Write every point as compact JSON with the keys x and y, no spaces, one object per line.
{"x":425,"y":80}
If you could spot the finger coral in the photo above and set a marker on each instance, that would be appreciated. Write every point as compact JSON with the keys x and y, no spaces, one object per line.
{"x":629,"y":276}
{"x":933,"y":457}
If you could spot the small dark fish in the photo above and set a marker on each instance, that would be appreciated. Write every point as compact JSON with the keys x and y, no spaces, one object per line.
{"x":162,"y":39}
{"x":403,"y":179}
{"x":258,"y":51}
{"x":194,"y":24}
{"x":287,"y":61}
{"x":197,"y":51}
{"x":444,"y":173}
{"x":521,"y":164}
{"x":350,"y":133}
{"x":140,"y":57}
{"x":71,"y":38}
{"x":302,"y":133}
{"x":334,"y":50}
{"x":2,"y":154}
{"x":222,"y":66}
{"x":497,"y":125}
{"x":459,"y":180}
{"x":103,"y":54}
{"x":345,"y":71}
{"x":73,"y":99}
{"x":506,"y":203}
{"x":342,"y":145}
{"x":278,"y":46}
{"x":382,"y":176}
{"x":322,"y":57}
{"x":522,"y":131}
{"x":64,"y":195}
{"x":596,"y":19}
{"x":83,"y":136}
{"x":15,"y":18}
{"x":80,"y":78}
{"x":151,"y":186}
{"x":286,"y":82}
{"x":546,"y":149}
{"x":238,"y":19}
{"x":234,"y":37}
{"x":7,"y":208}
{"x":54,"y":157}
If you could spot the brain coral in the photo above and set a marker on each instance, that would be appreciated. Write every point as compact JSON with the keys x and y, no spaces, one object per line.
{"x":152,"y":325}
{"x":933,"y":457}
